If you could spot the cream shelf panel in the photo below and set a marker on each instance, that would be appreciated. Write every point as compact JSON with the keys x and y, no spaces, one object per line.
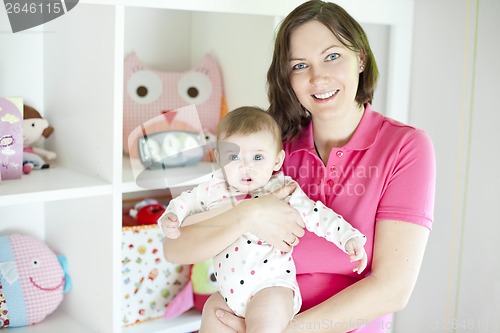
{"x":55,"y":322}
{"x":50,"y":185}
{"x":367,"y":11}
{"x":187,"y":322}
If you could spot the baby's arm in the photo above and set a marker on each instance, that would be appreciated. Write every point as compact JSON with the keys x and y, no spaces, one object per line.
{"x":178,"y":209}
{"x":326,"y":223}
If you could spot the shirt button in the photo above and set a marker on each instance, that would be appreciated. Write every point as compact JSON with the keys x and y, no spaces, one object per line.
{"x":330,"y":182}
{"x":340,"y":153}
{"x":333,"y":168}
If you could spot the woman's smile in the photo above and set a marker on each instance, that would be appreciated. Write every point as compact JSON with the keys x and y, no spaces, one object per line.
{"x":326,"y":96}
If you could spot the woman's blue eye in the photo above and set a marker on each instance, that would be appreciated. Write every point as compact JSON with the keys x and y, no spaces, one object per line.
{"x":332,"y":56}
{"x":299,"y":66}
{"x":258,"y":157}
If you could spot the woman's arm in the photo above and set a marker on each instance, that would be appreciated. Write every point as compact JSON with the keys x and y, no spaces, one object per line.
{"x":397,"y":257}
{"x":267,"y":217}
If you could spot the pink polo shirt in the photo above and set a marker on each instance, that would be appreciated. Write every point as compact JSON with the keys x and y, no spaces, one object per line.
{"x":385,"y":172}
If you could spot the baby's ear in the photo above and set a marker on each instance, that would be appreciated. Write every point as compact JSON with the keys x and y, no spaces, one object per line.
{"x":280,"y":158}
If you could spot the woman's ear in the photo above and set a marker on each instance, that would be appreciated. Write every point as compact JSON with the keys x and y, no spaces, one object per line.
{"x":361,"y":62}
{"x":280,"y":158}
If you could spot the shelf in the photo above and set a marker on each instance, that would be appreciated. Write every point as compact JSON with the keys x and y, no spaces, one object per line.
{"x":366,"y":11}
{"x":49,"y":185}
{"x":55,"y":322}
{"x":187,"y":322}
{"x":165,"y":178}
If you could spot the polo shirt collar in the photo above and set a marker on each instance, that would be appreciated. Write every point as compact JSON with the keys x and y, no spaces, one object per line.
{"x":364,"y":135}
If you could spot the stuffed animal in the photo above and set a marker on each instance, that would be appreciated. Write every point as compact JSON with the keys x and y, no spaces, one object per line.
{"x":201,"y":286}
{"x":149,"y":93}
{"x":32,"y":280}
{"x":35,"y":128}
{"x":147,"y":212}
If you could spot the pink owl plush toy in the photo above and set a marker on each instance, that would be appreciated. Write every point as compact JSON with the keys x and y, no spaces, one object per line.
{"x":32,"y":280}
{"x":149,"y":93}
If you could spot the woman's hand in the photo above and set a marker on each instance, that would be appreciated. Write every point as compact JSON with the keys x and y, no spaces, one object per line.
{"x":273,"y":220}
{"x":268,"y":217}
{"x":231,"y":320}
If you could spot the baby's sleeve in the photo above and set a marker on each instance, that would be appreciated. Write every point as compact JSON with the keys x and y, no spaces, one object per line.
{"x":186,"y":204}
{"x":323,"y":221}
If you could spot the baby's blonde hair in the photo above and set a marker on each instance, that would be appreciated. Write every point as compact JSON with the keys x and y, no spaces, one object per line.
{"x":248,"y":120}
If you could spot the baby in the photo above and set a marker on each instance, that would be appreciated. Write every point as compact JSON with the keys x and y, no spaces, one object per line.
{"x":256,"y":280}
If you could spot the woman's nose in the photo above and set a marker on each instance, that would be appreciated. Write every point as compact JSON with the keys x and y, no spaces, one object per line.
{"x":318,"y":76}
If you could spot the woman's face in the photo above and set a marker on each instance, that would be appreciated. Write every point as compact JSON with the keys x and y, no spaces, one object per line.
{"x":325,"y":73}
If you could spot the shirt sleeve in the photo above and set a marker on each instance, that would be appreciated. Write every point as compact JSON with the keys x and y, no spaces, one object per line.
{"x":323,"y":221}
{"x":409,"y":193}
{"x":188,"y":203}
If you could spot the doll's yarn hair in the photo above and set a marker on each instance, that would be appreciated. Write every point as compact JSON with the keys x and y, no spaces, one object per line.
{"x":31,"y":113}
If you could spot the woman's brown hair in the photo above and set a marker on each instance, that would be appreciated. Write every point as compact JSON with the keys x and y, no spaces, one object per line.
{"x":284,"y":105}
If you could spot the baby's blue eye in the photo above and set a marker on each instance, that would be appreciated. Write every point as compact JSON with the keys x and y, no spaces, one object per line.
{"x":258,"y":157}
{"x":233,"y":157}
{"x":332,"y":56}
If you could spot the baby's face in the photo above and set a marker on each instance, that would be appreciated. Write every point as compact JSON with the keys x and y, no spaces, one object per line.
{"x":248,"y":160}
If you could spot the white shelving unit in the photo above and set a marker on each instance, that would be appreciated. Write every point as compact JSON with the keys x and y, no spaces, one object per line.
{"x":76,"y":64}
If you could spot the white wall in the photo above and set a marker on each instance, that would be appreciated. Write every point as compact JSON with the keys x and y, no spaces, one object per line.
{"x":454,"y":83}
{"x":25,"y":78}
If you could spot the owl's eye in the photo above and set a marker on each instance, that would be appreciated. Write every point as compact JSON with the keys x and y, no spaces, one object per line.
{"x":194,"y":87}
{"x":144,"y":87}
{"x":193,"y":92}
{"x":142,"y":91}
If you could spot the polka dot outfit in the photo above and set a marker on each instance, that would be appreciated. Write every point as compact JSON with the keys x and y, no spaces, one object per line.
{"x":250,"y":264}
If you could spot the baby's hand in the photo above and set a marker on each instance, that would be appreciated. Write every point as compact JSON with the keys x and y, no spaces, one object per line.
{"x":170,"y":225}
{"x":357,"y":252}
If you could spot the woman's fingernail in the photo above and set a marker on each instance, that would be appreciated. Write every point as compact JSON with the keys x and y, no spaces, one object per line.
{"x":219,"y":313}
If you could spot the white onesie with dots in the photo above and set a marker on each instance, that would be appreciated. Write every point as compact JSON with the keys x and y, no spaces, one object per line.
{"x":250,"y":264}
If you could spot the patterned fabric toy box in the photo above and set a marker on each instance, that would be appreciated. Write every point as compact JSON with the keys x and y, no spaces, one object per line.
{"x":149,"y":281}
{"x":11,"y":138}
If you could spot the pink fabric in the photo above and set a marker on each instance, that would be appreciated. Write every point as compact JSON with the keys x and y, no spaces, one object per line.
{"x":41,"y":276}
{"x":181,"y":303}
{"x":385,"y":172}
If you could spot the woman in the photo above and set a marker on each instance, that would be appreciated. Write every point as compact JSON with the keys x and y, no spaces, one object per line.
{"x":378,"y":173}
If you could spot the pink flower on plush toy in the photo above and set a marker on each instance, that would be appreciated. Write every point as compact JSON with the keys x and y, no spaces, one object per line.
{"x":32,"y":280}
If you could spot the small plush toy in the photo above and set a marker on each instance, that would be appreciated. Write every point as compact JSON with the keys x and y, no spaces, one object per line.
{"x":201,"y":286}
{"x":32,"y":280}
{"x":35,"y":128}
{"x":147,"y":212}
